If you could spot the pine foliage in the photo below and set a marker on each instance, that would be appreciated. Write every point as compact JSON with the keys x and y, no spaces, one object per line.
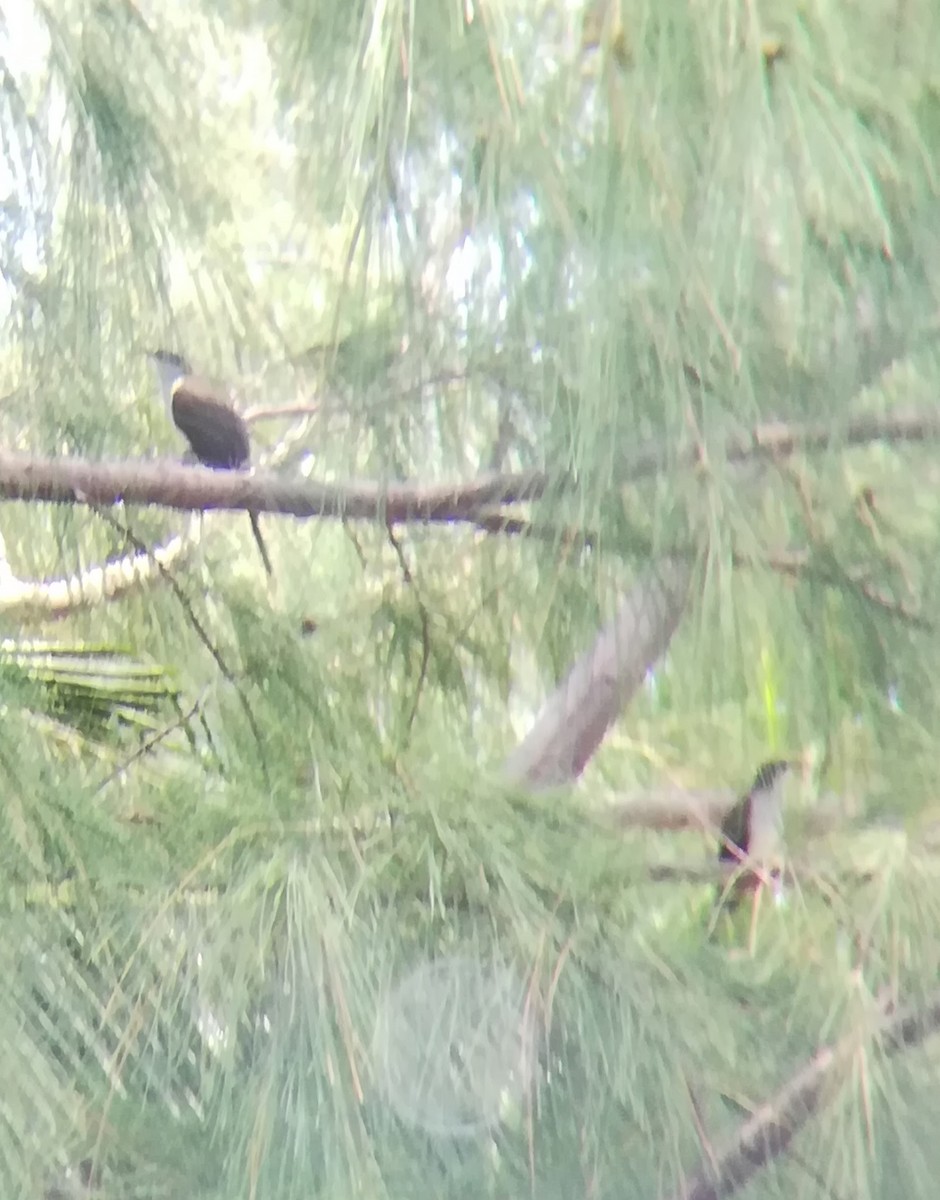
{"x":290,"y":913}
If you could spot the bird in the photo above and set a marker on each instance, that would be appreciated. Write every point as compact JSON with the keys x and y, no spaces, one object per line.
{"x":752,"y":831}
{"x":204,"y":414}
{"x":752,"y":828}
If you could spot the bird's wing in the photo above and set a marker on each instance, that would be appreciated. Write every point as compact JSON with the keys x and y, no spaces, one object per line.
{"x":215,"y":431}
{"x":734,"y":831}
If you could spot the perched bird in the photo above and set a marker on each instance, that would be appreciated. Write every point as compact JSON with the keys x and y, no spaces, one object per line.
{"x":753,"y":831}
{"x":204,"y":414}
{"x":752,"y":828}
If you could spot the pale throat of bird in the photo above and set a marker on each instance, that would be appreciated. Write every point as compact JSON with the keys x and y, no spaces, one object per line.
{"x":169,"y":368}
{"x":766,"y":819}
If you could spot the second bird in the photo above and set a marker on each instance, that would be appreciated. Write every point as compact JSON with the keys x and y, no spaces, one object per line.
{"x":752,"y":828}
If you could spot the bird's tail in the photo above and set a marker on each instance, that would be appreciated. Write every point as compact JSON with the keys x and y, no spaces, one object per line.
{"x":262,"y":548}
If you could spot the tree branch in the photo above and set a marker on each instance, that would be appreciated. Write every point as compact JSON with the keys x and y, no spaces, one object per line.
{"x":673,"y":807}
{"x":670,"y":808}
{"x":780,"y":439}
{"x":799,"y":564}
{"x":770,"y":1131}
{"x":70,"y":481}
{"x":577,"y":715}
{"x":74,"y":481}
{"x":26,"y":600}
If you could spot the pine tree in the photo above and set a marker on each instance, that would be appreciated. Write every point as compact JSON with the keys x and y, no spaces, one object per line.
{"x":590,"y":359}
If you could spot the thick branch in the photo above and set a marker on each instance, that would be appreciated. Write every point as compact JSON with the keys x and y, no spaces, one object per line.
{"x":576,"y":717}
{"x":771,"y":1130}
{"x":32,"y":601}
{"x":670,"y":808}
{"x":70,"y":481}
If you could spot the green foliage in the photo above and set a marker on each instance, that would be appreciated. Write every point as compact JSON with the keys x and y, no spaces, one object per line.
{"x":274,"y":925}
{"x":88,"y":686}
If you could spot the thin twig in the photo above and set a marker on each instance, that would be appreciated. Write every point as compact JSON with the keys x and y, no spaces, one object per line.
{"x":278,"y":411}
{"x":799,"y":564}
{"x":425,"y":619}
{"x":201,"y":633}
{"x":149,"y":744}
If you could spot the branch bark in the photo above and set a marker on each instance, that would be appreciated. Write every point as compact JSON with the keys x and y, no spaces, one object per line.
{"x":70,"y":481}
{"x":770,"y":1131}
{"x":188,"y":488}
{"x":576,"y":717}
{"x":670,"y":808}
{"x":31,"y":601}
{"x":781,"y":439}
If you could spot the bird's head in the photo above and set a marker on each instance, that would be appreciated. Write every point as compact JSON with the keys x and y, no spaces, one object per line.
{"x":170,"y":368}
{"x":770,"y":773}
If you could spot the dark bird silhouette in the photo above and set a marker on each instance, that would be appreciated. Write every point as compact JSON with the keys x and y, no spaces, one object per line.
{"x":753,"y":830}
{"x":205,"y":415}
